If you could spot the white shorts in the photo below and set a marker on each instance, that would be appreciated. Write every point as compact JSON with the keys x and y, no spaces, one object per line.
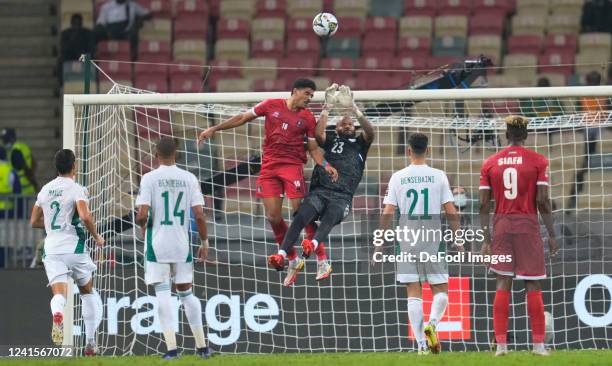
{"x":78,"y":266}
{"x":432,"y":279}
{"x":181,"y":272}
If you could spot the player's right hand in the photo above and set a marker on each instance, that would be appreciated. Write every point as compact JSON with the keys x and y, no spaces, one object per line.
{"x":99,"y":240}
{"x":206,"y":134}
{"x":332,"y":171}
{"x":330,"y":96}
{"x":553,"y":248}
{"x":202,"y":254}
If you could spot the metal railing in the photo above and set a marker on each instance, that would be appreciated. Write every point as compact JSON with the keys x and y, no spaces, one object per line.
{"x":18,"y":241}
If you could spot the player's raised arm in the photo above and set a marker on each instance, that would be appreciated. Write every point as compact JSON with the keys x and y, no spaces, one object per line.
{"x":88,"y":221}
{"x":330,"y":100}
{"x":233,"y":122}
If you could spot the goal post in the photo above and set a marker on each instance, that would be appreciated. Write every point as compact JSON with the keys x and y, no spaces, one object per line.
{"x":360,"y":308}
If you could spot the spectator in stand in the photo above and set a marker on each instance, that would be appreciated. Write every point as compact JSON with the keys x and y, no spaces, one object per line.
{"x":541,"y":107}
{"x":20,"y":158}
{"x":76,"y":40}
{"x":597,"y":16}
{"x":9,"y":185}
{"x":121,"y":20}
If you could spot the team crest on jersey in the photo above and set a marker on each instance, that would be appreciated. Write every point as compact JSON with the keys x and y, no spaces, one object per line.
{"x":298,"y":185}
{"x":299,"y":123}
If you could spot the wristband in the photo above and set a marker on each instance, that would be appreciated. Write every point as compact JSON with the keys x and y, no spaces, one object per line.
{"x":324,"y":164}
{"x":204,"y":243}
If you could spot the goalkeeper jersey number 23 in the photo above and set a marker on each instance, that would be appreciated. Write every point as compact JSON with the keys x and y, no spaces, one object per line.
{"x":170,"y":192}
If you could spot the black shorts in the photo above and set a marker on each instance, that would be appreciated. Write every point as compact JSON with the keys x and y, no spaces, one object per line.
{"x":327,"y":200}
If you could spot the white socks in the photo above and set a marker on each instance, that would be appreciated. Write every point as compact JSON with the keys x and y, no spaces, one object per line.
{"x":193,"y":311}
{"x":91,"y":318}
{"x":438,"y":307}
{"x":165,"y":309}
{"x":415,"y":314}
{"x":57,"y":304}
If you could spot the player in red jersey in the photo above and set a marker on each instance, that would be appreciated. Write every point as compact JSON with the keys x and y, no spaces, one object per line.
{"x":517,"y":179}
{"x":287,"y":122}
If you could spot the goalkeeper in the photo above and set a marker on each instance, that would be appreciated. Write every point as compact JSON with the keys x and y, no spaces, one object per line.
{"x":329,"y":200}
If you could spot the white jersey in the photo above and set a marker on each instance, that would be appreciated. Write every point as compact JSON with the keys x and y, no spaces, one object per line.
{"x":65,"y":233}
{"x":419,"y":191}
{"x":171,"y":192}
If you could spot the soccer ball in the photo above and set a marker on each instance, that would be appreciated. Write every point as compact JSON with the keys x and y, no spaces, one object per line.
{"x":548,"y":327}
{"x":325,"y":25}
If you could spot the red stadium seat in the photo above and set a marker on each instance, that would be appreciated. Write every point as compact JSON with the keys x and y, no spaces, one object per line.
{"x":214,"y":8}
{"x":455,"y":7}
{"x":190,"y":26}
{"x":493,"y":7}
{"x":304,"y":44}
{"x":560,"y":42}
{"x":147,"y":69}
{"x":261,"y":85}
{"x":298,"y":26}
{"x":550,"y":61}
{"x":117,"y":70}
{"x":410,"y":63}
{"x":487,"y":24}
{"x":435,"y":62}
{"x":293,"y":67}
{"x":154,"y":51}
{"x":421,"y":7}
{"x":159,"y":8}
{"x":381,"y":25}
{"x":374,"y":63}
{"x":337,"y":68}
{"x":192,"y":7}
{"x":154,"y":83}
{"x":379,"y":42}
{"x":271,"y":8}
{"x":268,"y":48}
{"x":113,"y":50}
{"x":227,"y":69}
{"x":524,"y":44}
{"x":152,"y":122}
{"x":501,"y":107}
{"x":233,"y":28}
{"x":243,"y":190}
{"x":351,"y":27}
{"x":188,"y":68}
{"x":185,"y":84}
{"x":381,"y":81}
{"x":353,"y":82}
{"x":411,"y":45}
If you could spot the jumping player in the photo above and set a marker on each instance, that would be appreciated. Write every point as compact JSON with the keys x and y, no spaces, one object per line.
{"x":287,"y":123}
{"x":327,"y":199}
{"x":517,"y":179}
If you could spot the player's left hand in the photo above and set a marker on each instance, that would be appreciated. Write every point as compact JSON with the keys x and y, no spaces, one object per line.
{"x":202,"y":254}
{"x":345,"y":97}
{"x":332,"y":171}
{"x":553,"y":248}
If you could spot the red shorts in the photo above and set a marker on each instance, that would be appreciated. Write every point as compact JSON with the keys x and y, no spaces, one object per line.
{"x":276,"y":179}
{"x":526,"y":251}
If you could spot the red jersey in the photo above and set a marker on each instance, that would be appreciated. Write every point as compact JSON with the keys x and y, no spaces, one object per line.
{"x":285,"y":131}
{"x":513,"y":175}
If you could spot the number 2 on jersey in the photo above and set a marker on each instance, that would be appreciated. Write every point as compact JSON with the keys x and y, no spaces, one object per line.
{"x":510,"y":183}
{"x":55,"y":206}
{"x":177,"y":206}
{"x":414,"y":196}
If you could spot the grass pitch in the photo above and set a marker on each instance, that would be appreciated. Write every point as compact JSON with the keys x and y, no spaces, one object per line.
{"x":558,"y":358}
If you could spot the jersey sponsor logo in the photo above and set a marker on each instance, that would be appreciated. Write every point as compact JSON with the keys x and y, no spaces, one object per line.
{"x":275,"y":114}
{"x":514,"y":160}
{"x":299,"y":123}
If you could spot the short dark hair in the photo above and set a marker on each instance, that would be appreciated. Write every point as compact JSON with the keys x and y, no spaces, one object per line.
{"x":543,"y":82}
{"x":303,"y":83}
{"x":76,"y":16}
{"x":516,"y":128}
{"x":593,"y":78}
{"x":166,"y":147}
{"x":418,"y":142}
{"x":64,"y":161}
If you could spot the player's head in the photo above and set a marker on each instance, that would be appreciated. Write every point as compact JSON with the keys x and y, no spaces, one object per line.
{"x":166,"y":149}
{"x":302,"y":92}
{"x":345,"y":127}
{"x":516,"y":128}
{"x":76,"y":21}
{"x":593,"y":78}
{"x":8,"y":135}
{"x":65,"y":162}
{"x":417,"y":145}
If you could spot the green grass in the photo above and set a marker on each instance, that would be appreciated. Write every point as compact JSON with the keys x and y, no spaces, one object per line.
{"x":580,"y":358}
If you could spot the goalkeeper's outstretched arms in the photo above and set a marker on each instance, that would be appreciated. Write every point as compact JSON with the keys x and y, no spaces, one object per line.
{"x":236,"y":121}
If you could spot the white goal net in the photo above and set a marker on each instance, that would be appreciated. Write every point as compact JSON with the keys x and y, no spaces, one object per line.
{"x":360,"y":308}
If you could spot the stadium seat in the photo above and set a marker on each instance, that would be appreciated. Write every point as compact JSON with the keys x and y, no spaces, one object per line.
{"x":410,"y":63}
{"x":241,"y":197}
{"x":451,"y":25}
{"x":304,"y":8}
{"x":378,"y":43}
{"x":536,"y":7}
{"x":435,"y":62}
{"x":554,"y":78}
{"x":190,"y":49}
{"x":381,"y":25}
{"x":72,"y":70}
{"x":233,"y":28}
{"x":298,"y":26}
{"x":569,"y":7}
{"x":528,"y":24}
{"x":152,"y":122}
{"x":416,"y":26}
{"x":117,"y":70}
{"x":351,"y":8}
{"x":352,"y":27}
{"x":307,"y":45}
{"x":346,"y":64}
{"x":493,"y":7}
{"x":154,"y":83}
{"x":486,"y":24}
{"x":268,"y":48}
{"x":595,"y":42}
{"x":374,"y":63}
{"x":271,"y":8}
{"x":227,"y":69}
{"x":147,"y":70}
{"x":563,"y":23}
{"x":262,"y":85}
{"x":592,"y":61}
{"x":158,"y":8}
{"x":449,"y":46}
{"x":237,"y":9}
{"x":387,"y":8}
{"x":191,"y":7}
{"x":549,"y":61}
{"x":322,"y":82}
{"x":561,"y":42}
{"x":234,"y":85}
{"x":411,"y":45}
{"x":381,"y":81}
{"x":113,"y":50}
{"x":520,"y":66}
{"x":185,"y":84}
{"x":154,"y":50}
{"x":190,"y":27}
{"x":501,"y":81}
{"x":455,"y":7}
{"x":232,"y":49}
{"x":300,"y":67}
{"x":343,"y":47}
{"x":69,"y":7}
{"x":488,"y":45}
{"x":260,"y":68}
{"x":189,"y":68}
{"x":268,"y":28}
{"x":524,"y":43}
{"x":428,"y":8}
{"x":156,"y":30}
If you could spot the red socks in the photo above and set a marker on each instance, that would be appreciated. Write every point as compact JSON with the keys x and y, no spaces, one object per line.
{"x":535,"y":309}
{"x":311,"y":230}
{"x":320,"y":252}
{"x":279,"y":230}
{"x":501,"y":308}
